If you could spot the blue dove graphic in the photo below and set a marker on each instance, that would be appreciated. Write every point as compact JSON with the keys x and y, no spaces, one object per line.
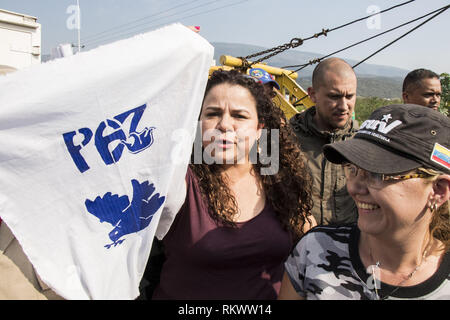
{"x":124,"y":216}
{"x":139,"y":141}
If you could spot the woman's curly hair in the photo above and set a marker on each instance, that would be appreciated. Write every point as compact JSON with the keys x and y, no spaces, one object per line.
{"x":288,"y":190}
{"x":440,"y":221}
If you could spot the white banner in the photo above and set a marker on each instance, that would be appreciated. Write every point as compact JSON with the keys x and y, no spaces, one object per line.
{"x":90,"y":155}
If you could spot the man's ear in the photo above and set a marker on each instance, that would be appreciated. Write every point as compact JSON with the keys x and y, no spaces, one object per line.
{"x":312,"y":94}
{"x":405,"y":97}
{"x":441,"y":189}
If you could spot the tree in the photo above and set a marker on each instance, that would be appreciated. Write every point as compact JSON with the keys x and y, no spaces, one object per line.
{"x":445,"y":97}
{"x":366,"y":105}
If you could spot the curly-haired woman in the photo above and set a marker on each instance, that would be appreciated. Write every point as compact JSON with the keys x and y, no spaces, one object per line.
{"x":238,"y":224}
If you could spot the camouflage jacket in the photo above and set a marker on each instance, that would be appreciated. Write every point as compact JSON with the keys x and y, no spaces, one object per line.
{"x":332,"y":203}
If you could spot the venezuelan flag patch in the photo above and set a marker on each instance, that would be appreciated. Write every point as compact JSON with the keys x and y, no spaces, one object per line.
{"x":441,"y":155}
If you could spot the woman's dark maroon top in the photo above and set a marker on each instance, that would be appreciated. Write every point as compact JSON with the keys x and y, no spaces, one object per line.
{"x":207,"y":261}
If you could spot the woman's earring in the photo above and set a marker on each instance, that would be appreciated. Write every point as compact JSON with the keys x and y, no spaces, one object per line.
{"x":433,"y":206}
{"x":258,"y":148}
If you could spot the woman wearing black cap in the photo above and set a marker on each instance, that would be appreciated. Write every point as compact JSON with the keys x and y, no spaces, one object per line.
{"x":398,"y":173}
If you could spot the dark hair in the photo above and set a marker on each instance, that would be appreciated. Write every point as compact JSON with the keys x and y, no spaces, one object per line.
{"x":415,"y":76}
{"x":288,"y":190}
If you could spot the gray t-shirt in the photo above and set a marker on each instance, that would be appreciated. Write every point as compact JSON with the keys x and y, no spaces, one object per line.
{"x":325,"y":265}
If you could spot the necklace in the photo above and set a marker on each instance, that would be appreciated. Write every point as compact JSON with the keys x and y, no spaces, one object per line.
{"x":409,"y":276}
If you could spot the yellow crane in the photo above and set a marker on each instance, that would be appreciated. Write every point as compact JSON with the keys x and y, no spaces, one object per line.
{"x":291,"y":98}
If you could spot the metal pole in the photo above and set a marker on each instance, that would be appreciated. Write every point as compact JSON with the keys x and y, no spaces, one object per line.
{"x":79,"y":26}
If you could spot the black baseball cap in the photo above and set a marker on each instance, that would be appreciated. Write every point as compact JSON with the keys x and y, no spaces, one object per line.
{"x":395,"y":139}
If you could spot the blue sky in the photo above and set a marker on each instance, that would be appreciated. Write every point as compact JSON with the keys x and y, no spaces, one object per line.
{"x":258,"y":22}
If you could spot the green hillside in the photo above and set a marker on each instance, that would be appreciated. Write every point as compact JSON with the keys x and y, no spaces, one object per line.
{"x":382,"y":87}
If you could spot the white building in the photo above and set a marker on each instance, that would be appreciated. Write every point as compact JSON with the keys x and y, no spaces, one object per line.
{"x":20,"y":41}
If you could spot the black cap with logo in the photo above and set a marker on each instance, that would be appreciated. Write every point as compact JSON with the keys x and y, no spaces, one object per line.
{"x":395,"y":139}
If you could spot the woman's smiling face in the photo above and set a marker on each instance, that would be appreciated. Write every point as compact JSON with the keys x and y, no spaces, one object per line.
{"x":396,"y":207}
{"x":229,"y":122}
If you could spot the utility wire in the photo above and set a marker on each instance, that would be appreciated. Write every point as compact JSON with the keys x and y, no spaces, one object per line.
{"x":122,"y":32}
{"x":360,"y":19}
{"x":390,"y":43}
{"x":295,"y":42}
{"x":94,"y":36}
{"x":302,"y":66}
{"x":183,"y":17}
